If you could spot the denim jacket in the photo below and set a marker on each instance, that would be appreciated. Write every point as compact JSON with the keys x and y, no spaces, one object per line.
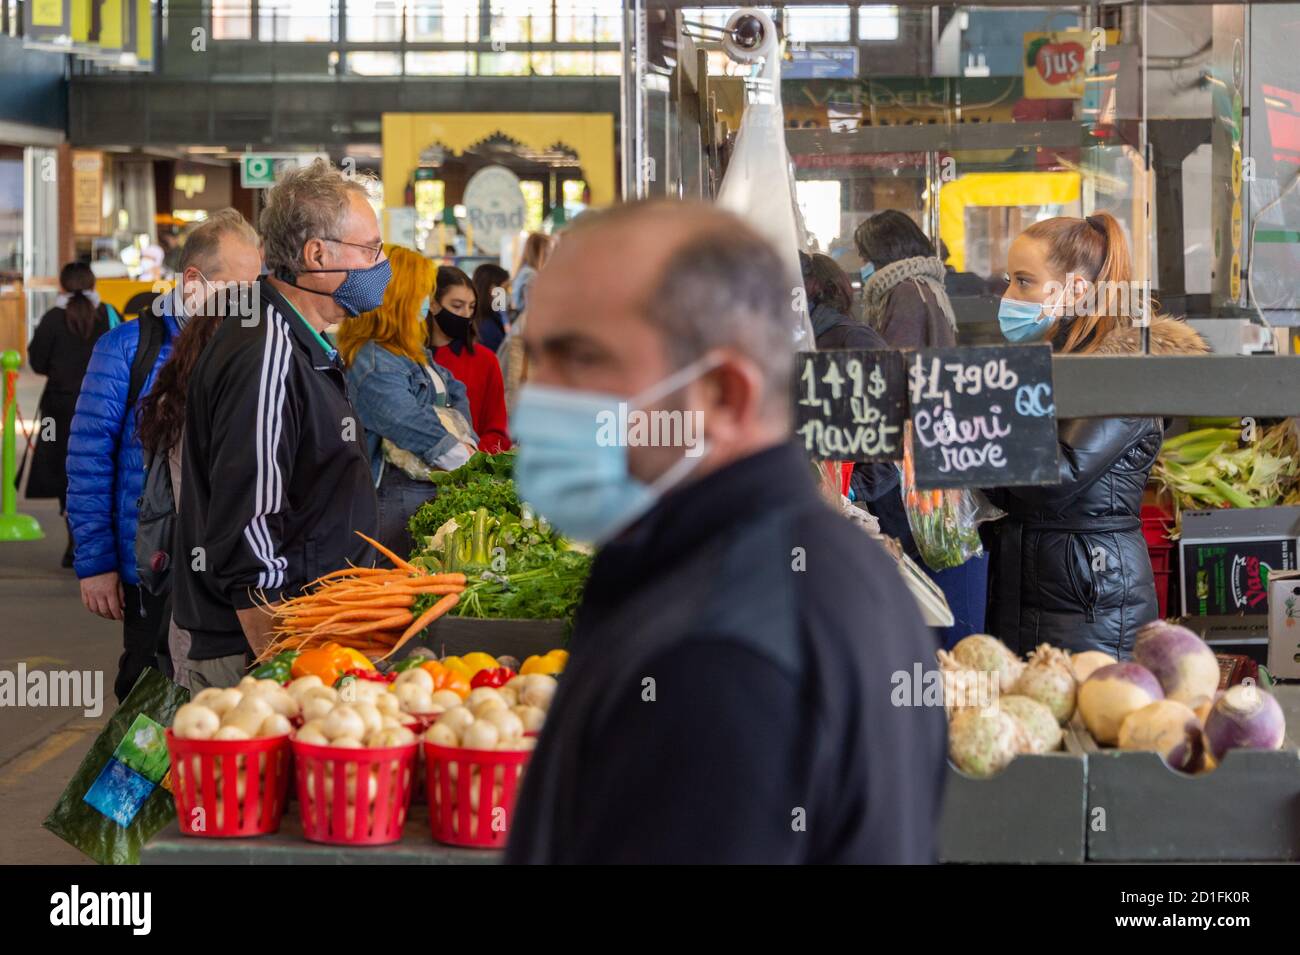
{"x":395,"y":399}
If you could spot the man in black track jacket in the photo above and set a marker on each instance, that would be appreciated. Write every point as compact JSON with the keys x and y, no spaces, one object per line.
{"x":275,"y":476}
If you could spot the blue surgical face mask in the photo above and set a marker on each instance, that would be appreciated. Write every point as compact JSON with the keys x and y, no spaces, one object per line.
{"x":572,"y":464}
{"x":1022,"y":321}
{"x":867,"y":271}
{"x":424,"y":309}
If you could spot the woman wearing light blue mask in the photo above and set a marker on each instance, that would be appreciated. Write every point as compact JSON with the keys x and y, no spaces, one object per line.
{"x":1071,"y":566}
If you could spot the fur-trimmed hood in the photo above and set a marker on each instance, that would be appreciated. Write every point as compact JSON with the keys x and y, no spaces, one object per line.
{"x":1169,"y":336}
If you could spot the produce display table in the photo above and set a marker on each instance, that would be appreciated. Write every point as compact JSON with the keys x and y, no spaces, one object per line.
{"x":288,"y":847}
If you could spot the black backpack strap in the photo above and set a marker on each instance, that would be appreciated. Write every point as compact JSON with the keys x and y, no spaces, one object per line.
{"x":152,"y":332}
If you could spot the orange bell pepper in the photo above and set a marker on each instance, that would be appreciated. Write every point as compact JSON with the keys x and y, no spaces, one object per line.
{"x":328,"y":662}
{"x":446,"y":678}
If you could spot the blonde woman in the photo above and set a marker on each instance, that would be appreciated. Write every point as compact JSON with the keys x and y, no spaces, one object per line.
{"x":414,"y":411}
{"x":1072,"y":568}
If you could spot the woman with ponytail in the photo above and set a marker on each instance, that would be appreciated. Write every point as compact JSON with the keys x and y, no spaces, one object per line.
{"x":60,"y":349}
{"x":1072,"y":568}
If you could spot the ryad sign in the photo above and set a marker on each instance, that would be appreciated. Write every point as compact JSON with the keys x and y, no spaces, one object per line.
{"x":494,"y":206}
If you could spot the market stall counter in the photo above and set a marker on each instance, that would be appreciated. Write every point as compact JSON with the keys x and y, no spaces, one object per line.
{"x":289,"y":847}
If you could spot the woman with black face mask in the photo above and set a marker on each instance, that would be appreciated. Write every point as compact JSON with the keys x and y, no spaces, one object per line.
{"x":453,"y":341}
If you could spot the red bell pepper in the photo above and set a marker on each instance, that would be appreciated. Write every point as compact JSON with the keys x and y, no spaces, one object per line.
{"x":495,"y":678}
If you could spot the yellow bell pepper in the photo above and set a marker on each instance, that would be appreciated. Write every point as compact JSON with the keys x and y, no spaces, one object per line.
{"x":359,"y":659}
{"x":479,"y":661}
{"x":548,"y":664}
{"x":560,"y":655}
{"x":458,"y":665}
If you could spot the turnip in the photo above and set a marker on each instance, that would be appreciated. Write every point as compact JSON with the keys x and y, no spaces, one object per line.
{"x":510,"y":695}
{"x":446,"y":699}
{"x":539,"y":689}
{"x":481,"y":694}
{"x":1183,"y":663}
{"x":1245,"y":717}
{"x":1167,"y":727}
{"x":344,"y":721}
{"x":981,"y":652}
{"x":195,"y":721}
{"x":388,"y":704}
{"x":982,"y":742}
{"x":275,"y":725}
{"x":486,"y":705}
{"x":1042,"y":731}
{"x":416,"y":676}
{"x":458,"y":718}
{"x":1088,"y":662}
{"x":508,"y":724}
{"x":441,"y":734}
{"x":224,"y":701}
{"x":532,"y":717}
{"x":1112,"y":693}
{"x":300,"y":686}
{"x":369,"y":714}
{"x":316,"y":708}
{"x":231,"y":732}
{"x":480,"y":735}
{"x":1048,"y":679}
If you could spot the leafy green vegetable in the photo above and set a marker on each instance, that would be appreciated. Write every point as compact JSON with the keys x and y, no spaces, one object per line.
{"x":498,"y":496}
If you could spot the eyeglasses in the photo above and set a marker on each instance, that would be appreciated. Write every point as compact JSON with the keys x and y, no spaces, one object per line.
{"x":378,"y":251}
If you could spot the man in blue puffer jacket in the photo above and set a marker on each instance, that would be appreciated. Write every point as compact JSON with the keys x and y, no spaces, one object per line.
{"x":106,"y":463}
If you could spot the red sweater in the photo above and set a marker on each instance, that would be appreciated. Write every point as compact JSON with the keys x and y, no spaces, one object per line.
{"x":480,"y":373}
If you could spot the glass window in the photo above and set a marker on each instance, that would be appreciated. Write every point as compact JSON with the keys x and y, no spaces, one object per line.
{"x":817,"y":24}
{"x":533,"y":203}
{"x":232,"y":19}
{"x":440,"y":64}
{"x":374,"y":21}
{"x":295,"y":21}
{"x":878,"y":23}
{"x":578,"y":20}
{"x":449,"y":20}
{"x":521,"y":21}
{"x":503,"y":64}
{"x":374,"y":63}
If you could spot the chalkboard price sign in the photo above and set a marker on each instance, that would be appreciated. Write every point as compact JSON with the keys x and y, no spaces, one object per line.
{"x":851,"y":405}
{"x":983,"y":416}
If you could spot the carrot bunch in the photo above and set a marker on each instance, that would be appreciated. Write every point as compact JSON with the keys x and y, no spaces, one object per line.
{"x":366,"y":608}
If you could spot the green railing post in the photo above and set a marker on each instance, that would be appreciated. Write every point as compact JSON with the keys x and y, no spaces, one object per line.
{"x":13,"y":526}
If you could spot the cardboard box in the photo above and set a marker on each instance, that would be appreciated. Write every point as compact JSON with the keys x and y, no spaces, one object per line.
{"x":1228,"y":557}
{"x":1284,"y":624}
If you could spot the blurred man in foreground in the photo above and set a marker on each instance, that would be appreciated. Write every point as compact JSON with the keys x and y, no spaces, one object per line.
{"x":728,"y":698}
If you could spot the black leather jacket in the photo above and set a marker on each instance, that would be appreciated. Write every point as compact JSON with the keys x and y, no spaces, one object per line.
{"x":1072,"y":568}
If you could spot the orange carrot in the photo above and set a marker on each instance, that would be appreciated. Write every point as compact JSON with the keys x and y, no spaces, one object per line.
{"x":404,"y":565}
{"x":422,"y":621}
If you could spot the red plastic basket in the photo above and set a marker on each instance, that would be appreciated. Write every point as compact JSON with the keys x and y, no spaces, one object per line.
{"x":328,"y":774}
{"x":206,"y":783}
{"x":472,"y":793}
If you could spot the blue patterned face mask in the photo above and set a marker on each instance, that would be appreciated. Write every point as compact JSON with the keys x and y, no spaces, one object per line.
{"x":362,"y":290}
{"x":867,"y":271}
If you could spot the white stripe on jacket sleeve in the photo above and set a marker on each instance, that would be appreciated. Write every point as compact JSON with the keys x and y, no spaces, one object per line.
{"x":269,"y":482}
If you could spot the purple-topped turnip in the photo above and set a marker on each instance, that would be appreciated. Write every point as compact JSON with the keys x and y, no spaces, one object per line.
{"x":1169,"y":728}
{"x":1245,"y":717}
{"x":1088,"y":662}
{"x":1183,"y":663}
{"x":1112,"y":693}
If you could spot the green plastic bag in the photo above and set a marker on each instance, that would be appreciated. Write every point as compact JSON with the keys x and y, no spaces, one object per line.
{"x":117,"y":800}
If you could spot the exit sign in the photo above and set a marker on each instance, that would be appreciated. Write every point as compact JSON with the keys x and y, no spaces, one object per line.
{"x":263,"y":170}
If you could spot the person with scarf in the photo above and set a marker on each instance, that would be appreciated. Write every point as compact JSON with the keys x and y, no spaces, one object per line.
{"x":903,"y":297}
{"x":452,"y":339}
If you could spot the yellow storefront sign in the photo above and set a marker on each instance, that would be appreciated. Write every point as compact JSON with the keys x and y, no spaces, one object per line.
{"x":1055,"y":64}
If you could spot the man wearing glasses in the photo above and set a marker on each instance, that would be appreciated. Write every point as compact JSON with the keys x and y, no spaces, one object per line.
{"x":276,"y":480}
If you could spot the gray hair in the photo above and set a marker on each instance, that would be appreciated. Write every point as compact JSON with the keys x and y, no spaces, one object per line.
{"x":310,"y":202}
{"x":203,"y":243}
{"x":723,"y":286}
